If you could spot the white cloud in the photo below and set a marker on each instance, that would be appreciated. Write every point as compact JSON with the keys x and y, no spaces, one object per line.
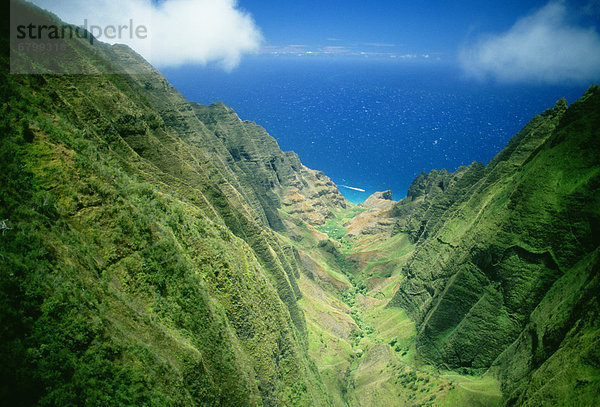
{"x":178,"y":31}
{"x":543,"y":47}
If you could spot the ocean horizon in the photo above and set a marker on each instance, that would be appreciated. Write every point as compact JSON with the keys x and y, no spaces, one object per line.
{"x":373,"y":124}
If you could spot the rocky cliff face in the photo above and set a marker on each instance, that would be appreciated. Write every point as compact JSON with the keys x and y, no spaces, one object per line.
{"x":505,"y":269}
{"x":277,"y":179}
{"x":428,"y":198}
{"x":377,"y":217}
{"x":155,"y":251}
{"x":141,"y":259}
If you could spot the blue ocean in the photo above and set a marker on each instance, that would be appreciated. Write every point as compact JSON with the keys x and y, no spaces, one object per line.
{"x":371,"y":124}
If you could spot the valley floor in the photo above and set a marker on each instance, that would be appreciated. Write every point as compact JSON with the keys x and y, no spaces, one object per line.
{"x":365,"y":351}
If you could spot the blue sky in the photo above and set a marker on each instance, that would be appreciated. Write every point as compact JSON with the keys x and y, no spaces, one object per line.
{"x":508,"y":41}
{"x":405,"y":27}
{"x":413,"y":27}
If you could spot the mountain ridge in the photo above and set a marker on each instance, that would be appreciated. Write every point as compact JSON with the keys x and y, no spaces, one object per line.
{"x":535,"y":239}
{"x":157,"y":251}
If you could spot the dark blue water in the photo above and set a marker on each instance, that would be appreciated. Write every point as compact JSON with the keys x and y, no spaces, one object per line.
{"x":373,"y":125}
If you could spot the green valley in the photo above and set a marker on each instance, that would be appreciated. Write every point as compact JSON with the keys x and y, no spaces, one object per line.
{"x":159,"y":252}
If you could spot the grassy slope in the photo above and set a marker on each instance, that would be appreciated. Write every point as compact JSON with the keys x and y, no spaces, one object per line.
{"x":527,"y":219}
{"x":137,"y":268}
{"x":555,"y":359}
{"x":141,"y":263}
{"x":365,"y":351}
{"x":488,"y":261}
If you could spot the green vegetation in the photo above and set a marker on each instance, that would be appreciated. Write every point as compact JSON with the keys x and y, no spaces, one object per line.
{"x":335,"y":229}
{"x":135,"y":269}
{"x":492,"y":250}
{"x":495,"y":272}
{"x":117,"y":293}
{"x":158,"y":252}
{"x":365,"y":351}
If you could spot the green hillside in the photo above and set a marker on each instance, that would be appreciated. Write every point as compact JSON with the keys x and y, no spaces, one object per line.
{"x":505,"y":270}
{"x":139,"y":266}
{"x":158,"y":252}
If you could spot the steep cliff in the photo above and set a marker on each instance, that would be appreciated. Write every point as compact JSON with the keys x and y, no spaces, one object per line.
{"x":154,"y":251}
{"x":140,"y":259}
{"x":505,"y":270}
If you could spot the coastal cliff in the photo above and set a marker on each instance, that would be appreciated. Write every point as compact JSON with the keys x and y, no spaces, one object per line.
{"x":155,"y":251}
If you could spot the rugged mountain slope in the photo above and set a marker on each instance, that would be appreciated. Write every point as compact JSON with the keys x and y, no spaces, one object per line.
{"x":377,"y":216}
{"x":277,"y":178}
{"x":495,"y":265}
{"x":505,"y":271}
{"x":159,"y":252}
{"x":140,"y":263}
